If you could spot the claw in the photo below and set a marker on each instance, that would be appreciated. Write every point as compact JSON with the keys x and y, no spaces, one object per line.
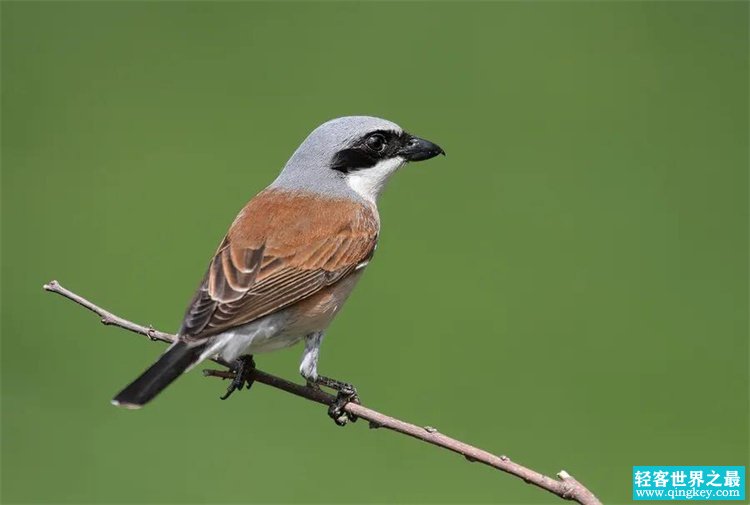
{"x":336,"y":410}
{"x":242,"y":375}
{"x":345,"y":393}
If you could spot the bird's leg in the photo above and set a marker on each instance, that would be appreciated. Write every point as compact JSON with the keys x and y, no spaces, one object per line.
{"x":308,"y":367}
{"x":345,"y":392}
{"x":243,"y":371}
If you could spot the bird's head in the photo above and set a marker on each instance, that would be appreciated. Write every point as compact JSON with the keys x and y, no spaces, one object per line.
{"x":353,"y":155}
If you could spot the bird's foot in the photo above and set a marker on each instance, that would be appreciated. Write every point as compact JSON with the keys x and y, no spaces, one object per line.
{"x":243,"y":372}
{"x":345,"y":393}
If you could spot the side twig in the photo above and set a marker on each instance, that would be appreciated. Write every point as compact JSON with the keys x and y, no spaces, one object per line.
{"x":565,"y":486}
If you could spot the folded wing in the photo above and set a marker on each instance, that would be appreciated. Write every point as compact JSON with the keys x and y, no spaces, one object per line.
{"x":281,"y":249}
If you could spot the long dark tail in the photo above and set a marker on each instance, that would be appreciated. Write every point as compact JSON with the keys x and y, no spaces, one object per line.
{"x":178,"y":358}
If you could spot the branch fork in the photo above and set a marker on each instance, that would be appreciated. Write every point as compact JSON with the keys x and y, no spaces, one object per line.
{"x":565,"y":486}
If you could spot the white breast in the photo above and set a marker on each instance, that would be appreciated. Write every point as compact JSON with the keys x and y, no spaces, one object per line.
{"x":285,"y":327}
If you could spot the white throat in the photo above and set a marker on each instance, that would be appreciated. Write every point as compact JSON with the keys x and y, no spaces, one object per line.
{"x":369,"y":182}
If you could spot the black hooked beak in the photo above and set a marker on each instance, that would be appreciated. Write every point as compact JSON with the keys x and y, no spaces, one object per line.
{"x":417,"y":149}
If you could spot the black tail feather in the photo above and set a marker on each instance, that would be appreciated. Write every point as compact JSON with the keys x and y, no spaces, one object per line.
{"x":161,"y":374}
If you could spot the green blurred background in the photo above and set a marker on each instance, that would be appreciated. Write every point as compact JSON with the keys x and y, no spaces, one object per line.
{"x":568,"y":286}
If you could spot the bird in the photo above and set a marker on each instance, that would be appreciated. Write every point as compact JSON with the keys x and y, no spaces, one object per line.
{"x":291,"y":257}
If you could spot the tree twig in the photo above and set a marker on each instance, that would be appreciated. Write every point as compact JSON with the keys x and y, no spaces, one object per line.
{"x":565,"y":486}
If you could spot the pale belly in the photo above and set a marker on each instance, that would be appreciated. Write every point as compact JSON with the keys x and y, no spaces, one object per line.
{"x":285,"y":327}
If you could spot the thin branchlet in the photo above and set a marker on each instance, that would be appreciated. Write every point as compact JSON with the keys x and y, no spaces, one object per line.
{"x":565,"y":486}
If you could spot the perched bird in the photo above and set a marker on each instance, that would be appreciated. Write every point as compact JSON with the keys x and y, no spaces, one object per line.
{"x":291,"y":257}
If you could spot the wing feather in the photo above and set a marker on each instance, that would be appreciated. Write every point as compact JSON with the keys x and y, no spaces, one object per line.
{"x":281,"y":249}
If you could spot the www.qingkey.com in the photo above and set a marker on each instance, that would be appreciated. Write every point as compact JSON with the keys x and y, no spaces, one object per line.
{"x":687,"y":494}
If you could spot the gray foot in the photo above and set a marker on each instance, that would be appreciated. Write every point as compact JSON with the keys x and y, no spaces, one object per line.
{"x":243,"y":370}
{"x":345,"y":393}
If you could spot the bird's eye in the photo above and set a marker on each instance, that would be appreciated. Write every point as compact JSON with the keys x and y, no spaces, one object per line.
{"x":376,"y":142}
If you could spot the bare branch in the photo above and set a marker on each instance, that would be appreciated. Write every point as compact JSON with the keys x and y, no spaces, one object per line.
{"x":109,"y":319}
{"x":564,"y":486}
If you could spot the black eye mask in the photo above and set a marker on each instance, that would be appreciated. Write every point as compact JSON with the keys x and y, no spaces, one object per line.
{"x":360,"y":156}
